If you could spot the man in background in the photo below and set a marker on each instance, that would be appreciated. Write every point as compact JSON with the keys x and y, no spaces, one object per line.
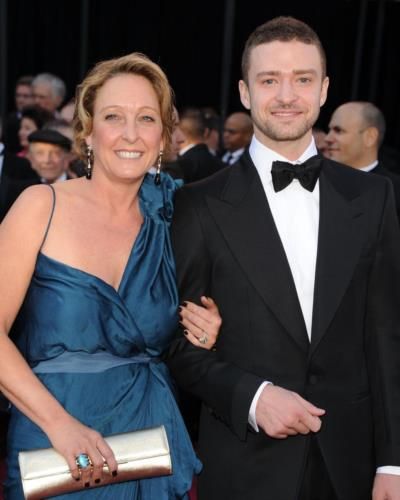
{"x":48,"y":92}
{"x":356,"y":132}
{"x":23,"y":98}
{"x":238,"y":129}
{"x":49,"y":154}
{"x":195,"y":160}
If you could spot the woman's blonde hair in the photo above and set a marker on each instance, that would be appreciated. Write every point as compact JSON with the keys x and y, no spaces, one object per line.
{"x":135,"y":64}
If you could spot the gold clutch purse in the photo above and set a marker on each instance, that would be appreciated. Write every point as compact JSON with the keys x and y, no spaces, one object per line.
{"x":140,"y":454}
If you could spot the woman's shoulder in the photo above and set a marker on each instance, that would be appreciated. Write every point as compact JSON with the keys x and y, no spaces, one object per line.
{"x":34,"y":200}
{"x":157,"y":199}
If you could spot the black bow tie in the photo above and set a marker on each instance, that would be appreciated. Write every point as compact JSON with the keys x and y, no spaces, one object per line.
{"x":307,"y":173}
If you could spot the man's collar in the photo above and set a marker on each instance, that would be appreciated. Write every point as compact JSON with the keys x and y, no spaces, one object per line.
{"x":263,"y":156}
{"x":370,"y":167}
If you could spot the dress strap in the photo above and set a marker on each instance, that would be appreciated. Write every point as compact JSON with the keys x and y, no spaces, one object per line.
{"x":51,"y":216}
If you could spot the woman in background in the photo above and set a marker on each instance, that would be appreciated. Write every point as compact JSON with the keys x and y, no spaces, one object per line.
{"x":32,"y":119}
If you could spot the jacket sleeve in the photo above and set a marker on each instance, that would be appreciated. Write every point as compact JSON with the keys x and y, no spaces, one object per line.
{"x":383,"y":335}
{"x":226,"y":389}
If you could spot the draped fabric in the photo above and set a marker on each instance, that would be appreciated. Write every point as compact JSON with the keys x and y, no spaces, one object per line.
{"x":69,"y":311}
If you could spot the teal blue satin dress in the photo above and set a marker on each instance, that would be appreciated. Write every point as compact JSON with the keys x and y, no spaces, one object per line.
{"x":98,"y":349}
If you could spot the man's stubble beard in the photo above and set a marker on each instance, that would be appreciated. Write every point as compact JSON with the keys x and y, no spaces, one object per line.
{"x":277,"y":133}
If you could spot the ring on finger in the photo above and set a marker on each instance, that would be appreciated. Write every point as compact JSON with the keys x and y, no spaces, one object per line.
{"x":83,"y":461}
{"x":204,"y":338}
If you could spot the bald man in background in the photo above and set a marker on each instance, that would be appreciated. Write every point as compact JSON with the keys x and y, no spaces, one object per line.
{"x":356,"y":132}
{"x":238,"y":130}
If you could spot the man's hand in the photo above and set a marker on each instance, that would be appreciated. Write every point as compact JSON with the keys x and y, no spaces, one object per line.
{"x":386,"y":487}
{"x":282,"y":413}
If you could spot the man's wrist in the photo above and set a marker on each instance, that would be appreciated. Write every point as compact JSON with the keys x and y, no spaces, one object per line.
{"x":252,"y":412}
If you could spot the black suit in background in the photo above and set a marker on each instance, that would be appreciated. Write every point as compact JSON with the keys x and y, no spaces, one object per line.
{"x":10,"y":132}
{"x":381,"y":170}
{"x":198,"y":163}
{"x":16,"y":175}
{"x":227,"y":246}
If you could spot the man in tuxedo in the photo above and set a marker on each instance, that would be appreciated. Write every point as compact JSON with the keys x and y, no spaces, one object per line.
{"x":195,"y":161}
{"x":238,"y":130}
{"x":300,"y":397}
{"x":356,"y":132}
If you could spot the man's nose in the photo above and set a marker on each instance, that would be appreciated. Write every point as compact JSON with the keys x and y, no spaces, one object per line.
{"x":286,"y":92}
{"x":329,"y":138}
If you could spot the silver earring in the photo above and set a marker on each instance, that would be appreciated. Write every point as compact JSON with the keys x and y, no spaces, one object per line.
{"x":157,"y":177}
{"x":89,"y":162}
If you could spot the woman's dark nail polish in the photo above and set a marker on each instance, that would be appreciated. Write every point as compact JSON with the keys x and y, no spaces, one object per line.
{"x":87,"y":485}
{"x":114,"y":473}
{"x":185,"y":332}
{"x":97,"y":481}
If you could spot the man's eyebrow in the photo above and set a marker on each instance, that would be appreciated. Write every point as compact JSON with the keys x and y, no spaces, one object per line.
{"x":295,"y":72}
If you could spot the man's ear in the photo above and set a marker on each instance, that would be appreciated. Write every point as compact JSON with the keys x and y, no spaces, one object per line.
{"x":244,"y":94}
{"x":370,"y":136}
{"x":324,"y":91}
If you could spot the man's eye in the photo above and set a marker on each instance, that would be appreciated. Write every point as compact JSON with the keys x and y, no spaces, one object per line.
{"x":268,"y":81}
{"x":304,"y":79}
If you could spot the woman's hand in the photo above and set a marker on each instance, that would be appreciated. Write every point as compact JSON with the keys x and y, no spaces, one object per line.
{"x":71,"y":438}
{"x":202,"y":323}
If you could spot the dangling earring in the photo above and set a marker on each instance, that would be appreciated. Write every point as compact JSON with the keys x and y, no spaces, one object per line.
{"x":157,"y":177}
{"x":89,"y":162}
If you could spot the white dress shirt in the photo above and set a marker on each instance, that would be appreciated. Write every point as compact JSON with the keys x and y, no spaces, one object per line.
{"x":295,"y":211}
{"x":368,"y":168}
{"x":230,"y":157}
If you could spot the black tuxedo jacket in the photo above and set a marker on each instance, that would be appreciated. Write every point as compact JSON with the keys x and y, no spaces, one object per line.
{"x":198,"y":163}
{"x":227,"y":246}
{"x":381,"y":170}
{"x":16,"y":175}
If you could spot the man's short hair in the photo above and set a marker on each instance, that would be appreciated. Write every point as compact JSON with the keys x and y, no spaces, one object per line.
{"x":193,"y":122}
{"x":57,"y":85}
{"x":372,"y":116}
{"x":24,"y":80}
{"x":281,"y":29}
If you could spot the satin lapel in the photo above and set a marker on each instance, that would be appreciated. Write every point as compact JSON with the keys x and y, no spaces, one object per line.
{"x":245,"y":220}
{"x":339,"y":245}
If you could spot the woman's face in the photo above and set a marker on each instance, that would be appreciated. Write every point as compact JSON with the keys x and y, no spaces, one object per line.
{"x":26,"y":127}
{"x":127,"y":130}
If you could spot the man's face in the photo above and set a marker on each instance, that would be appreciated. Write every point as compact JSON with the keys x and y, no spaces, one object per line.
{"x":285,"y":91}
{"x":44,"y":97}
{"x":48,"y":160}
{"x":236,"y":135}
{"x":345,"y":140}
{"x":23,"y":96}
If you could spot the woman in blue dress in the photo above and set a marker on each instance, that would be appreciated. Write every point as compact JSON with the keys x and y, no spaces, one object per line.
{"x":89,"y":263}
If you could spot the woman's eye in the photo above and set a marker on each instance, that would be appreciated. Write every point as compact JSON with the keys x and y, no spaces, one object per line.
{"x":148,"y":118}
{"x":111,"y":117}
